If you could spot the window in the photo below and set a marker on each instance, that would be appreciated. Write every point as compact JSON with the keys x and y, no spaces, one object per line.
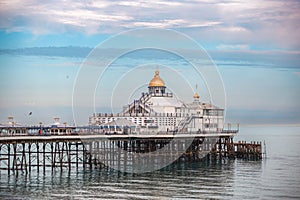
{"x":213,"y":112}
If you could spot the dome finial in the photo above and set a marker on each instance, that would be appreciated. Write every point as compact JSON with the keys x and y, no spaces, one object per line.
{"x":196,"y":95}
{"x":156,"y":72}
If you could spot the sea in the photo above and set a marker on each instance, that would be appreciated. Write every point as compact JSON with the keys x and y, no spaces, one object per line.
{"x":275,"y":177}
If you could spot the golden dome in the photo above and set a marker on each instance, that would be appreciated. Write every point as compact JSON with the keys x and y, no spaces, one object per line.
{"x":157,"y":81}
{"x":196,"y":96}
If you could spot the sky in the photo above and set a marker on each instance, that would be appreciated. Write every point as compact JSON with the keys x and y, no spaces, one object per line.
{"x":254,"y":44}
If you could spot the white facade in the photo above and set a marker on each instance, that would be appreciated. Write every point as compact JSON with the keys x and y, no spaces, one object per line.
{"x":158,"y":111}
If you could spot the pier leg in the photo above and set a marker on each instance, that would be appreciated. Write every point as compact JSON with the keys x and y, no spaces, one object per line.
{"x":44,"y":158}
{"x":69,"y":155}
{"x":15,"y":164}
{"x":38,"y":156}
{"x":52,"y":158}
{"x":76,"y":152}
{"x":8,"y":159}
{"x":90,"y":155}
{"x":29,"y":157}
{"x":24,"y":159}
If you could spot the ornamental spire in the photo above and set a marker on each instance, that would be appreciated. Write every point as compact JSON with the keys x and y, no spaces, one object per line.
{"x":196,"y":95}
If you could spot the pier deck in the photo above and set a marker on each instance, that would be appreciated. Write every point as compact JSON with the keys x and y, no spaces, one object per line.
{"x":13,"y":139}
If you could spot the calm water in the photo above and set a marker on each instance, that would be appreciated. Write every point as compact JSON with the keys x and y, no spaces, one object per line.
{"x":276,"y":177}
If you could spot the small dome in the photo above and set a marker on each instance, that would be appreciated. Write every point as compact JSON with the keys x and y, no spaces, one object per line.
{"x":157,"y":81}
{"x":196,"y":96}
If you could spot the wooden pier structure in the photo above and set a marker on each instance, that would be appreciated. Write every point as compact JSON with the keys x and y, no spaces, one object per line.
{"x":129,"y":153}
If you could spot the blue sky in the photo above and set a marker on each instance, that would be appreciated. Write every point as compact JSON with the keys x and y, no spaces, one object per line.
{"x":255,"y":45}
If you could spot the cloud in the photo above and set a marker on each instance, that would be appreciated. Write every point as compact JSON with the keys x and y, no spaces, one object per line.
{"x":149,"y":4}
{"x":257,"y":59}
{"x":226,"y":55}
{"x":173,"y":23}
{"x":233,"y":47}
{"x":233,"y":29}
{"x":270,"y":24}
{"x":81,"y":52}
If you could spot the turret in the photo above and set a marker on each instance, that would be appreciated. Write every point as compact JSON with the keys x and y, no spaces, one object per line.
{"x":157,"y":85}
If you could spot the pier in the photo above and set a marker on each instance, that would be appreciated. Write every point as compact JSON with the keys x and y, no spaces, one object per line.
{"x":130,"y":152}
{"x":150,"y":133}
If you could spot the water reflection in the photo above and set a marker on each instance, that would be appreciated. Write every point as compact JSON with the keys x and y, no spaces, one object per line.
{"x":180,"y":180}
